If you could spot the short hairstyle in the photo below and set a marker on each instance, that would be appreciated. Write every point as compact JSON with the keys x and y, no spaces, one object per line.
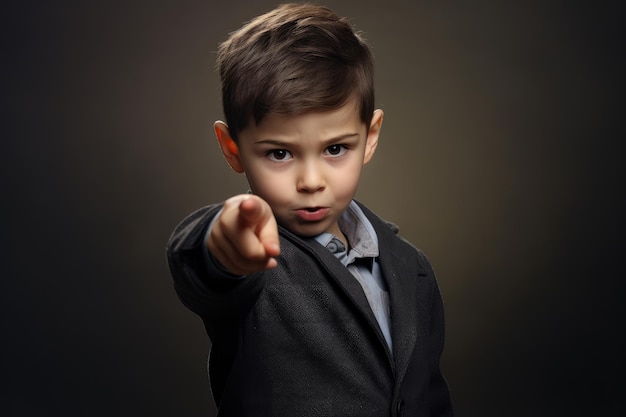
{"x":294,"y":59}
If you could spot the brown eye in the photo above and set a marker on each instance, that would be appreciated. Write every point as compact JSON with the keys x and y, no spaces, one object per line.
{"x":336,"y":150}
{"x":278,"y":154}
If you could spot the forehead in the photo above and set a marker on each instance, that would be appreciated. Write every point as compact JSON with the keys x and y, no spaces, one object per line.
{"x":314,"y":124}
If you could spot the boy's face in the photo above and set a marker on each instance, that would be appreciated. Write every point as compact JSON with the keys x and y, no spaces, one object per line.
{"x":307,"y":167}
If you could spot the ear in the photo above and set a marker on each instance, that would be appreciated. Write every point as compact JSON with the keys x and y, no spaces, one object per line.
{"x":371,"y":142}
{"x":228,"y":146}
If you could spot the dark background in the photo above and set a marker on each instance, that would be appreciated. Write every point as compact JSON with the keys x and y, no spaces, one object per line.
{"x":500,"y":157}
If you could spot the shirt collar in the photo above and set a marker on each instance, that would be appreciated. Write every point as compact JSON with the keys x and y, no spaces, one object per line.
{"x":359,"y":232}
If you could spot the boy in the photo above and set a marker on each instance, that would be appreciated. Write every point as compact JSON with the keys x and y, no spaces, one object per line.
{"x":313,"y":305}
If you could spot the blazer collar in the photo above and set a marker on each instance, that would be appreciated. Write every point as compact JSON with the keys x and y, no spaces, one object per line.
{"x":345,"y":281}
{"x":409,"y":291}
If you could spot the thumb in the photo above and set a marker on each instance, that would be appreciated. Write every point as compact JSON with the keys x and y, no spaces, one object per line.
{"x":268,"y":236}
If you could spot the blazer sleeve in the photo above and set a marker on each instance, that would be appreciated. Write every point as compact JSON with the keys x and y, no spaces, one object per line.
{"x":439,"y":394}
{"x":214,"y":297}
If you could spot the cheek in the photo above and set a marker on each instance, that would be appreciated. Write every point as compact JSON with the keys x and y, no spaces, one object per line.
{"x":347,"y":182}
{"x":273,"y":187}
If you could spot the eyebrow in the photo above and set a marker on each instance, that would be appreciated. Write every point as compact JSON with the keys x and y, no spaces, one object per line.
{"x":278,"y":142}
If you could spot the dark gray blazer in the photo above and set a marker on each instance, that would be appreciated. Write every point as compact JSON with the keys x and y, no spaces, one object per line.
{"x":301,"y":340}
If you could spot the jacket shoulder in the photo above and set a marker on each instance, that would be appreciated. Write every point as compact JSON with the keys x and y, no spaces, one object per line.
{"x":192,"y":228}
{"x":390,"y":240}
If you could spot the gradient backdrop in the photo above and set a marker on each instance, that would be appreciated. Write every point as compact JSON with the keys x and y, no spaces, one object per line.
{"x":500,"y":157}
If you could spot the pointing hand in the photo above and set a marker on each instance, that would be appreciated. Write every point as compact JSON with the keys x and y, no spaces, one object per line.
{"x":244,"y":239}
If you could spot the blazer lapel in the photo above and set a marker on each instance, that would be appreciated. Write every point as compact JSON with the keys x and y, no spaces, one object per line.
{"x":408,"y":292}
{"x":345,"y":280}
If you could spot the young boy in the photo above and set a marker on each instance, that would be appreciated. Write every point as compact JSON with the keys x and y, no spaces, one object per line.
{"x":313,"y":305}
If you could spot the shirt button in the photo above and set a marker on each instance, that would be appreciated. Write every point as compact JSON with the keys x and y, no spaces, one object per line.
{"x":335,"y":245}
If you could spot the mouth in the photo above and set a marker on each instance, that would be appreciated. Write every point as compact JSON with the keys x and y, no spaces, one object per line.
{"x":312,"y":214}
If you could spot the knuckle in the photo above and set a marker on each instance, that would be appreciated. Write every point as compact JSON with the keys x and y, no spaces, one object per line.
{"x":220,"y":224}
{"x":249,"y":253}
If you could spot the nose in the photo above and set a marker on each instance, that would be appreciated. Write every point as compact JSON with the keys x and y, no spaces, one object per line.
{"x":311,"y":177}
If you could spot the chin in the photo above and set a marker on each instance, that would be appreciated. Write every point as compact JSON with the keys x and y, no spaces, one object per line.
{"x":306,"y":231}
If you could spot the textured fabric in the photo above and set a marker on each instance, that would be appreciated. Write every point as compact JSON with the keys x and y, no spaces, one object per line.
{"x":301,"y":339}
{"x":361,"y":260}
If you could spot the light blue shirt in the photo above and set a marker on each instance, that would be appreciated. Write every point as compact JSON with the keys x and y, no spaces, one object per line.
{"x":361,"y":261}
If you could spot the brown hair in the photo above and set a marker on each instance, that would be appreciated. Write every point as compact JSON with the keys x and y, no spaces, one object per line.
{"x":294,"y":59}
